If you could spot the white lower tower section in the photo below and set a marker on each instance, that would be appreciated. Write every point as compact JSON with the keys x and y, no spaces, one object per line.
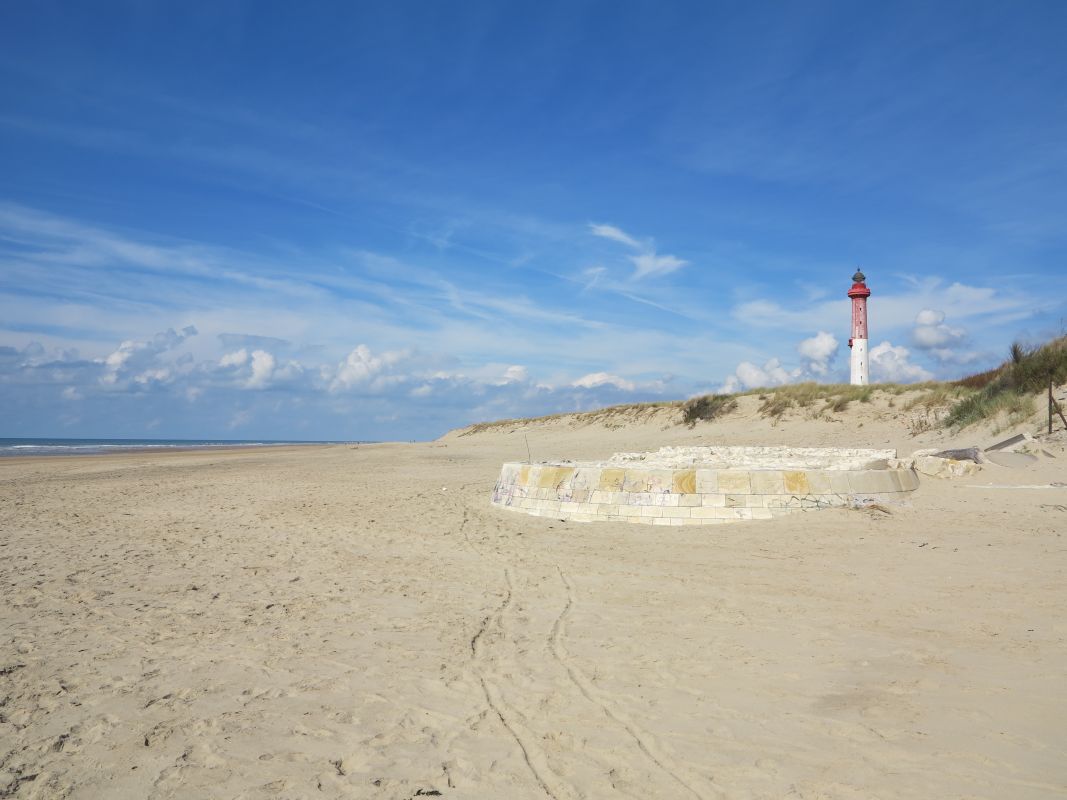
{"x":861,"y":372}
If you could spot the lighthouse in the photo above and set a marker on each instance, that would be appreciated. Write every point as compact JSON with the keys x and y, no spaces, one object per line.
{"x":860,"y":361}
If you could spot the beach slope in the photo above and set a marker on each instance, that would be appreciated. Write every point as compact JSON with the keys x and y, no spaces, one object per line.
{"x":358,"y":621}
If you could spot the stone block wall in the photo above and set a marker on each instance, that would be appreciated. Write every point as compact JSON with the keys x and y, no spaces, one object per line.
{"x":689,"y":496}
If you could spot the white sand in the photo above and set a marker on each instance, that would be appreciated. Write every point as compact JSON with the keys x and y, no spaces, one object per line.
{"x":359,"y":622}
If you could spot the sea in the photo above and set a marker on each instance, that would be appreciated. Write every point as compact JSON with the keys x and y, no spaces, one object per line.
{"x":88,"y":447}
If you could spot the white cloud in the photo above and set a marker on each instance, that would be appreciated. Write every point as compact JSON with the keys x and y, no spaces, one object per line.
{"x":154,"y":375}
{"x":653,"y":264}
{"x":516,"y":374}
{"x":595,"y":379}
{"x":137,"y":356}
{"x":929,"y":316}
{"x":892,"y":363}
{"x":931,"y":332}
{"x":593,"y":276}
{"x":262,"y":368}
{"x":749,"y":376}
{"x":361,"y":367}
{"x":615,"y":234}
{"x":234,"y":359}
{"x":648,"y":262}
{"x":890,"y":311}
{"x":820,"y":351}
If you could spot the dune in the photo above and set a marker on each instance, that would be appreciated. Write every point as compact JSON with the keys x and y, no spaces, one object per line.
{"x":359,"y":622}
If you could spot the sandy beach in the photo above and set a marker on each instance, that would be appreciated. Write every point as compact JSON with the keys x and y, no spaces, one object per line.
{"x":358,"y":621}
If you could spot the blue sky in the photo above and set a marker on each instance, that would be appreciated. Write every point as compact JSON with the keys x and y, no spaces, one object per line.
{"x":359,"y":220}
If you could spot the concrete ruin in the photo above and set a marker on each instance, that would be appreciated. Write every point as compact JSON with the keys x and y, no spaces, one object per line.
{"x":704,"y":485}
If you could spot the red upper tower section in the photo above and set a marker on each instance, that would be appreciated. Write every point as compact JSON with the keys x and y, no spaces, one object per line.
{"x":859,"y":294}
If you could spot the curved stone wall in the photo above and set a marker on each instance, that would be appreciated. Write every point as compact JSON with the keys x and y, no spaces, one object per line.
{"x":689,"y":495}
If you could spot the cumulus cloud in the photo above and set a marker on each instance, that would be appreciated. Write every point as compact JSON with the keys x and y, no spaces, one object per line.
{"x":893,"y":363}
{"x":936,"y":338}
{"x":647,"y":262}
{"x":363,"y":368}
{"x":239,"y":388}
{"x":819,"y":352}
{"x":596,"y":379}
{"x":749,"y":376}
{"x":135,"y":358}
{"x":516,"y":374}
{"x":259,"y":369}
{"x":235,"y":359}
{"x":262,"y":369}
{"x":931,"y":332}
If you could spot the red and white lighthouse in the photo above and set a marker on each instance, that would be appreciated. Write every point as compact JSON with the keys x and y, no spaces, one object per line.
{"x":860,"y":361}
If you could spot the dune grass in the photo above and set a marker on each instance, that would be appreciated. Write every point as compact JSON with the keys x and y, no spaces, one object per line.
{"x":938,"y":395}
{"x":1011,"y":387}
{"x":835,"y":397}
{"x":627,"y":412}
{"x":1006,"y":390}
{"x":707,"y":408}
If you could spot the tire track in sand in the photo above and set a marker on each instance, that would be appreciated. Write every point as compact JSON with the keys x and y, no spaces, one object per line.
{"x":644,"y":740}
{"x":534,"y":757}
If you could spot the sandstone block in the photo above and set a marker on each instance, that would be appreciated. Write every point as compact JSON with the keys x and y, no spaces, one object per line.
{"x":819,"y":482}
{"x":769,"y":481}
{"x":839,"y":482}
{"x":636,"y":481}
{"x":734,"y":482}
{"x":611,"y":480}
{"x":684,"y":481}
{"x":796,"y":482}
{"x":707,"y":481}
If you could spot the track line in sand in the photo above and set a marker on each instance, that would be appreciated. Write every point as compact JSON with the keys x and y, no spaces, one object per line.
{"x":644,"y":740}
{"x":534,"y":757}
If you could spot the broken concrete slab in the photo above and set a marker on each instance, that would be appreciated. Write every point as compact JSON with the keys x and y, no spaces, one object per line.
{"x":1011,"y":443}
{"x":937,"y":467}
{"x":1009,"y":459}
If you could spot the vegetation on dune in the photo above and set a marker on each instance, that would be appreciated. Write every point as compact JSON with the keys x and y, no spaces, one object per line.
{"x":836,"y":397}
{"x":938,"y":395}
{"x":1008,"y":389}
{"x":707,"y":408}
{"x":611,"y":416}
